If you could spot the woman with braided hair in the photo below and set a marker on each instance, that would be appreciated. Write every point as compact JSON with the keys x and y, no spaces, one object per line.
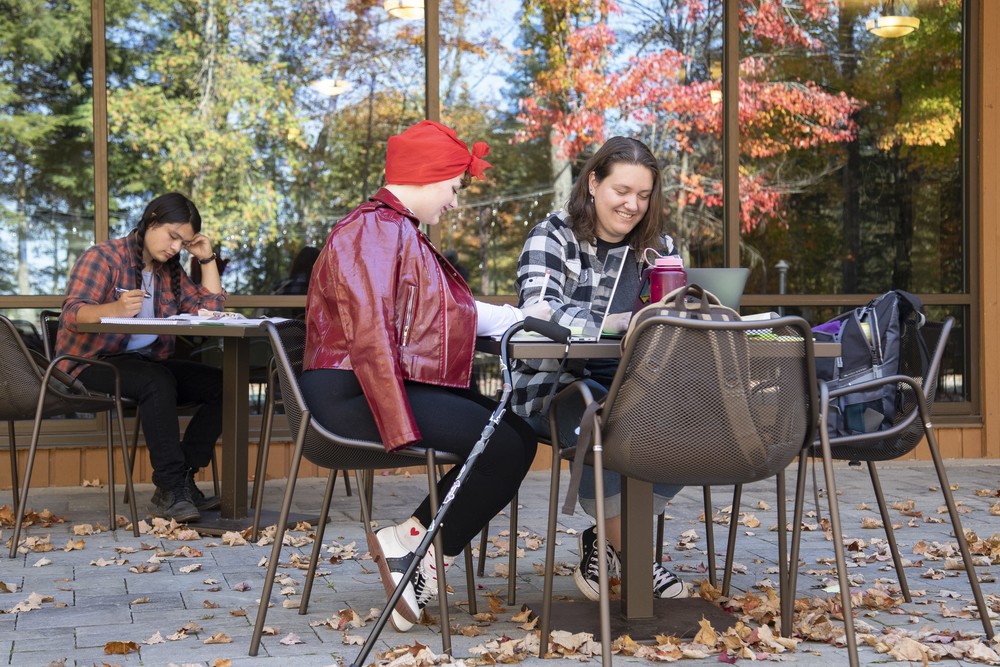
{"x":140,"y":275}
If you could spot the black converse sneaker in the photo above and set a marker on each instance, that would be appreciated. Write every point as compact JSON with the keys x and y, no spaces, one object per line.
{"x":201,"y":501}
{"x":666,"y":584}
{"x":587,"y":573}
{"x":174,"y":504}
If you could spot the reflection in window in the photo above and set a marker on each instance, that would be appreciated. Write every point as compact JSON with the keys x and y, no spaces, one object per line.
{"x":46,"y":144}
{"x":880,"y":206}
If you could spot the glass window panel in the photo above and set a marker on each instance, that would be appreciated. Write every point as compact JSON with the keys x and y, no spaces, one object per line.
{"x":271,"y":116}
{"x":643,"y":68}
{"x":955,"y":383}
{"x":46,"y":144}
{"x":850,"y":148}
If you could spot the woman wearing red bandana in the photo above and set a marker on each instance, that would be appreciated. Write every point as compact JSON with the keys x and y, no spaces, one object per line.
{"x":390,"y":335}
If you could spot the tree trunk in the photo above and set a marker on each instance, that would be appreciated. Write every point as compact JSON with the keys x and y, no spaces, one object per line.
{"x":562,"y":175}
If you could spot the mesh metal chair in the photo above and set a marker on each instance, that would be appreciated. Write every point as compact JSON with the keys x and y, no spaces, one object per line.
{"x":335,"y":452}
{"x":695,"y":402}
{"x":31,"y":387}
{"x":49,"y":322}
{"x":917,"y":381}
{"x":272,"y":400}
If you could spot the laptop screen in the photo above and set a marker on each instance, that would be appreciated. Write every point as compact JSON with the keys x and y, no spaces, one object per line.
{"x":725,"y":283}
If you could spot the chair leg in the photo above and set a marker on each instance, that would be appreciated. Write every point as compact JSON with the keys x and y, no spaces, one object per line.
{"x":216,"y":485}
{"x":368,"y":479}
{"x":956,"y":523}
{"x":263,"y":449}
{"x":12,"y":448}
{"x":788,"y":600}
{"x":550,"y":555}
{"x":279,"y":537}
{"x":347,"y":483}
{"x":838,"y":546}
{"x":23,"y":500}
{"x":734,"y":516}
{"x":112,"y":519}
{"x":890,"y":534}
{"x":481,"y":569}
{"x":135,"y":443}
{"x":439,"y":556}
{"x":780,"y":496}
{"x":709,"y":536}
{"x":660,"y":518}
{"x":129,"y":487}
{"x":470,"y":581}
{"x":324,"y":514}
{"x":512,"y":554}
{"x":602,"y":553}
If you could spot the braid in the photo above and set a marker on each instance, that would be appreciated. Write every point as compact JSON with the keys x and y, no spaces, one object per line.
{"x":175,"y":280}
{"x":140,"y":237}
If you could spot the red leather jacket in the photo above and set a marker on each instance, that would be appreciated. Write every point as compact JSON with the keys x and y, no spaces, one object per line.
{"x":385,"y":304}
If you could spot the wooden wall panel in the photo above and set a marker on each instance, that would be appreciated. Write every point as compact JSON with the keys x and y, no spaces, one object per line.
{"x":989,"y":224}
{"x":70,"y":466}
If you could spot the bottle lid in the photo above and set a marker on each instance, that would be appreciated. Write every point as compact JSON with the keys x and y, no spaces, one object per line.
{"x":670,"y":262}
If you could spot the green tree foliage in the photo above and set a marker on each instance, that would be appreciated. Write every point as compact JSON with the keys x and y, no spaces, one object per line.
{"x":45,"y":140}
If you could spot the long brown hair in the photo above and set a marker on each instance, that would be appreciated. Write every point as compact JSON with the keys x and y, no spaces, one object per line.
{"x":581,"y":209}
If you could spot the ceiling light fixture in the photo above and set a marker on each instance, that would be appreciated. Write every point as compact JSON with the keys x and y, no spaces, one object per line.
{"x":405,"y":9}
{"x":330,"y":87}
{"x":892,"y":26}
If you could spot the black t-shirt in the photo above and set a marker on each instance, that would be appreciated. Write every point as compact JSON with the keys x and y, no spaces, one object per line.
{"x":603,"y":370}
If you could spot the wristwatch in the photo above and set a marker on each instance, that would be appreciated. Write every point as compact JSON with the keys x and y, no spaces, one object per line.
{"x":208,"y":260}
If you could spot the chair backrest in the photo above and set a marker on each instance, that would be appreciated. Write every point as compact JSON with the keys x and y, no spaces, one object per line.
{"x":321,"y":446}
{"x":20,"y":375}
{"x":29,"y":334}
{"x":921,"y":353}
{"x":48,"y":324}
{"x":699,"y":402}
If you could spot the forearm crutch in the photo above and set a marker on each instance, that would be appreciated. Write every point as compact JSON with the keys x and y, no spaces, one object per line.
{"x":549,"y":329}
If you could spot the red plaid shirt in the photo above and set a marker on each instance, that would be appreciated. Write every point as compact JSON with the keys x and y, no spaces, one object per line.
{"x":96,"y":274}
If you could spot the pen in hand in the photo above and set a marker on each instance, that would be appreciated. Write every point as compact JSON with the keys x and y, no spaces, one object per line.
{"x":122,"y":290}
{"x":545,"y":283}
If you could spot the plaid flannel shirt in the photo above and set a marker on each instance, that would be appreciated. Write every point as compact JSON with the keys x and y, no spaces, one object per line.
{"x":97,"y":272}
{"x":578,"y":290}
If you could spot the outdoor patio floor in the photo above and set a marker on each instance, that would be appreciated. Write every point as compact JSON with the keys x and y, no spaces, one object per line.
{"x":94,"y":591}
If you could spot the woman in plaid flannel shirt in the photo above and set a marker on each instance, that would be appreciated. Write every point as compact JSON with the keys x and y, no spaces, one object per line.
{"x":583,"y":257}
{"x":140,"y":275}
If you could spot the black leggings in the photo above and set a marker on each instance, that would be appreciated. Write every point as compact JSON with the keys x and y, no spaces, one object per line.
{"x":450,"y":420}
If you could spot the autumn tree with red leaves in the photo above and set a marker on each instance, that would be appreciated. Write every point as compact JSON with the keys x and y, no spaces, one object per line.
{"x":658,"y":85}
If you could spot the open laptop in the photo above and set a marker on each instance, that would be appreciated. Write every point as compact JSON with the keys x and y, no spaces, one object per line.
{"x":727,"y":284}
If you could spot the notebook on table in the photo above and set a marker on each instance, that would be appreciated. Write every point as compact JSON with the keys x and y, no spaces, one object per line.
{"x":727,"y":284}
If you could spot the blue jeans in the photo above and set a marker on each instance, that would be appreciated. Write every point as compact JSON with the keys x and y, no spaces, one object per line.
{"x":569,"y":421}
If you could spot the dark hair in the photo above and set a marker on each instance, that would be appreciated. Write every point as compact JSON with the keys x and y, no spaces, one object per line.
{"x":581,"y":209}
{"x":304,"y":260}
{"x":170,"y":208}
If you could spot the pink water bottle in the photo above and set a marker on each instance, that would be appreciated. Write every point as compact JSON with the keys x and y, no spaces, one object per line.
{"x":666,"y":275}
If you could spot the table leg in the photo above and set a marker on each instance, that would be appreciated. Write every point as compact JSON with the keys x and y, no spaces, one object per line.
{"x":235,"y":426}
{"x":637,"y":549}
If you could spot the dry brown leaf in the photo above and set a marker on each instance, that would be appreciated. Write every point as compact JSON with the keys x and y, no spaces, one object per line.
{"x":706,"y":634}
{"x":120,"y":648}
